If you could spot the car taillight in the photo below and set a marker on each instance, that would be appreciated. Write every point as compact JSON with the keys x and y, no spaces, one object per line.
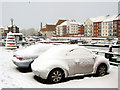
{"x":20,"y":58}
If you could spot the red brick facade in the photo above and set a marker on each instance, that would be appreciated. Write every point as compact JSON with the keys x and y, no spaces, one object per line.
{"x":48,"y":28}
{"x":116,"y":28}
{"x":96,"y":29}
{"x":80,"y":29}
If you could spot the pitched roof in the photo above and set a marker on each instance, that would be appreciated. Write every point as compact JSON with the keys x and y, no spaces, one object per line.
{"x":106,"y":18}
{"x":49,"y":28}
{"x":60,"y":21}
{"x":66,"y":23}
{"x":99,"y":18}
{"x":110,"y":18}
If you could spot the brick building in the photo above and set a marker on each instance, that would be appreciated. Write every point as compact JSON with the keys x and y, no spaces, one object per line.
{"x":96,"y":29}
{"x":116,"y":28}
{"x":69,"y":28}
{"x":48,"y":30}
{"x":81,"y":30}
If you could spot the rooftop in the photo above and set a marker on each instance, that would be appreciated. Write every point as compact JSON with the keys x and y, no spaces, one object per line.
{"x":106,"y":18}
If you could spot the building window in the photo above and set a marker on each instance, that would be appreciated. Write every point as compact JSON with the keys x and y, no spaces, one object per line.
{"x":119,"y":22}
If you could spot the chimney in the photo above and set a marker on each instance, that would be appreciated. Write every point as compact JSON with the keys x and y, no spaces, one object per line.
{"x":107,"y":15}
{"x":41,"y":25}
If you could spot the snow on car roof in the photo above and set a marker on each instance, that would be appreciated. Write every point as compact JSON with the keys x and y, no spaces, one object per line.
{"x":61,"y":50}
{"x":34,"y":49}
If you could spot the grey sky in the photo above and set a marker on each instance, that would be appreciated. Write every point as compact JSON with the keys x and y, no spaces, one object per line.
{"x":28,"y":15}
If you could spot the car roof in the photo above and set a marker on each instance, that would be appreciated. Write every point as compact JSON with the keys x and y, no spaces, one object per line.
{"x":61,"y":50}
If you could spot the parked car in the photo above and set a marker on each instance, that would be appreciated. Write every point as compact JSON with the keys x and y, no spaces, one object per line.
{"x":73,"y":41}
{"x":23,"y":58}
{"x":64,"y":61}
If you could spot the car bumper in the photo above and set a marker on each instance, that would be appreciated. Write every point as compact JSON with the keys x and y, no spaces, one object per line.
{"x":42,"y":73}
{"x":22,"y":64}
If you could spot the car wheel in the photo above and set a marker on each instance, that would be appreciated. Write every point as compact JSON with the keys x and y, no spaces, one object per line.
{"x":101,"y":70}
{"x":56,"y":75}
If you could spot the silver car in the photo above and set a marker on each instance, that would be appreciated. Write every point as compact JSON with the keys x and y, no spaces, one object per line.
{"x":23,"y":58}
{"x":66,"y":61}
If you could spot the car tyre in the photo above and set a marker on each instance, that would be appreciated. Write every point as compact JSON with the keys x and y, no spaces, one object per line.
{"x":101,"y":70}
{"x":56,"y":76}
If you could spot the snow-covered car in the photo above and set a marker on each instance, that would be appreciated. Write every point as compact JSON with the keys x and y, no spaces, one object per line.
{"x":24,"y":57}
{"x":64,"y":61}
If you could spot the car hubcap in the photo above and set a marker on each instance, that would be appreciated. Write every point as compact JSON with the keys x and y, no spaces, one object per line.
{"x":102,"y":70}
{"x":56,"y":76}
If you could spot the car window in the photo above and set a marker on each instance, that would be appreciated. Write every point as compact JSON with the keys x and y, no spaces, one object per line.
{"x":80,"y":52}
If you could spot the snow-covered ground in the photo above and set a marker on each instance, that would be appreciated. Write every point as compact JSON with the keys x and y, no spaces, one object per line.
{"x":11,"y":77}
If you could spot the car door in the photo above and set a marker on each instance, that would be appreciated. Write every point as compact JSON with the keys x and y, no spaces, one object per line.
{"x":70,"y":60}
{"x":83,"y":59}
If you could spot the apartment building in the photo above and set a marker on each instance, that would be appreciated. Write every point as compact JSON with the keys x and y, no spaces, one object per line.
{"x":96,"y":29}
{"x":116,"y":28}
{"x":69,"y":28}
{"x":107,"y":26}
{"x":62,"y":29}
{"x":81,"y":30}
{"x":102,"y":26}
{"x":89,"y":27}
{"x":93,"y":26}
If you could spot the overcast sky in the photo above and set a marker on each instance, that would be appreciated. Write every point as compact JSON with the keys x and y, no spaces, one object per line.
{"x":28,"y":15}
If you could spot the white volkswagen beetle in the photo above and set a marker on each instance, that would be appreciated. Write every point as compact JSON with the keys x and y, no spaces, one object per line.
{"x":66,"y":61}
{"x":23,"y":58}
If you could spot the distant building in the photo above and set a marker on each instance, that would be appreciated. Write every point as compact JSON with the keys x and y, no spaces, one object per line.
{"x":69,"y":28}
{"x":102,"y":26}
{"x":13,"y":29}
{"x":89,"y":27}
{"x":107,"y":26}
{"x":2,"y":32}
{"x":116,"y":27}
{"x":5,"y":32}
{"x":81,"y":29}
{"x":93,"y":26}
{"x":48,"y":30}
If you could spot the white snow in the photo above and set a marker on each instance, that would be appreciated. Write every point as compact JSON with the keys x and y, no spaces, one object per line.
{"x":14,"y":33}
{"x":69,"y":22}
{"x":106,"y":18}
{"x":34,"y":50}
{"x":98,"y":19}
{"x":10,"y":77}
{"x":110,"y":18}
